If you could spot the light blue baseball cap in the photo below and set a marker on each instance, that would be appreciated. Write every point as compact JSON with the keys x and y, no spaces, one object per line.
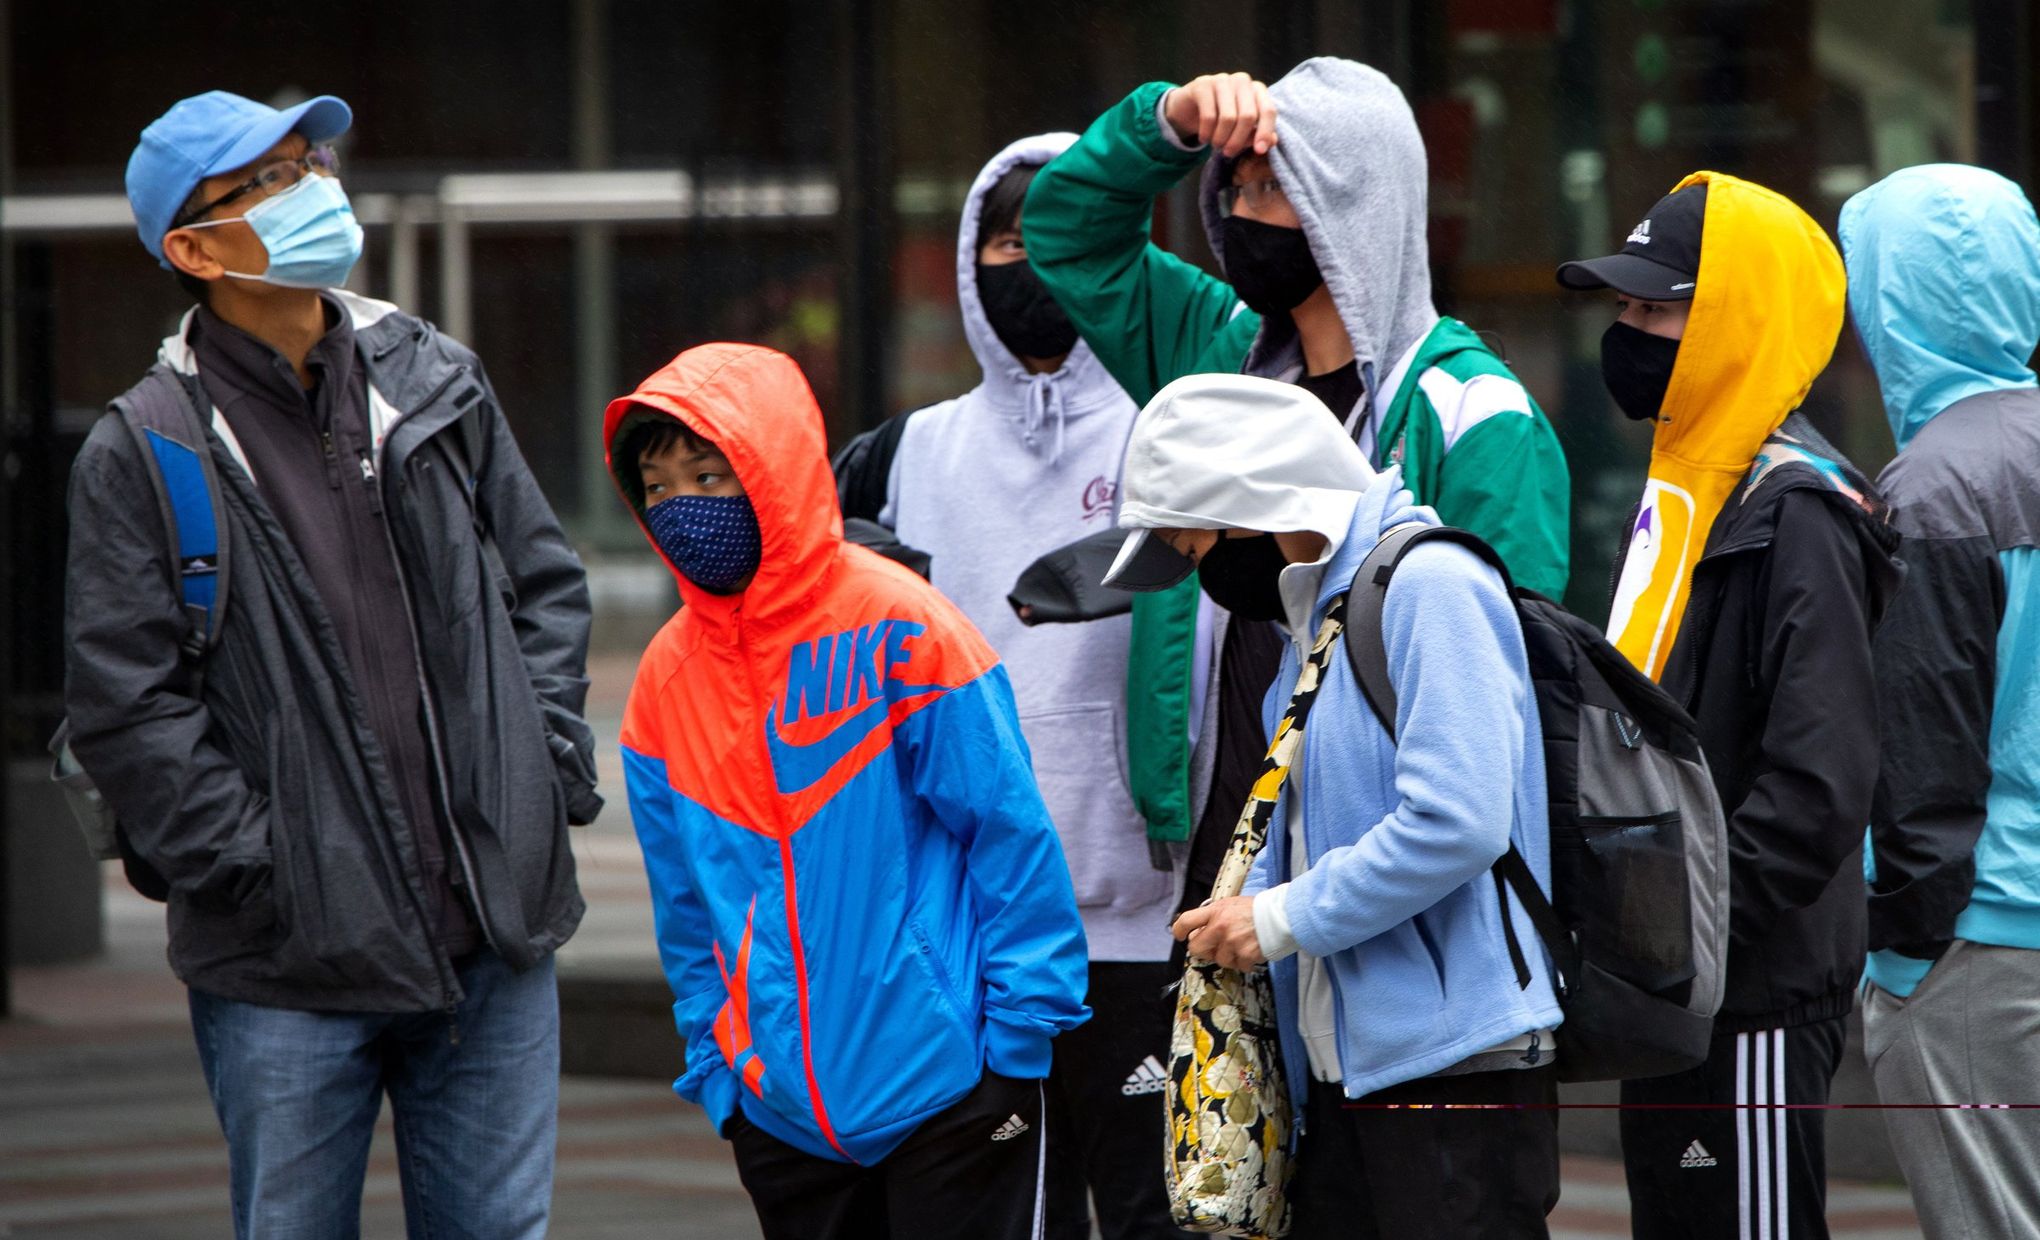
{"x":206,"y":135}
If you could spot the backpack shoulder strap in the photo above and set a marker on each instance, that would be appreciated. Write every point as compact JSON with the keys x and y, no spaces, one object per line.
{"x":1366,"y":649}
{"x":164,"y":418}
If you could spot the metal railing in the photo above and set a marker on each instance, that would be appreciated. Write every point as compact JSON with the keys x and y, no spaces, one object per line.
{"x":465,"y":201}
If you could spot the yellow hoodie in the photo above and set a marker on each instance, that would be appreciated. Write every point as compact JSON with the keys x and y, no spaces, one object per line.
{"x":1766,"y":312}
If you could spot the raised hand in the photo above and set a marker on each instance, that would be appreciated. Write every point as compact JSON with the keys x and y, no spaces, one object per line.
{"x":1230,"y":112}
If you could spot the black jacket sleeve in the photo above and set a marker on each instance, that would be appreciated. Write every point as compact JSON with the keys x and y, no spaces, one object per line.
{"x":137,"y":724}
{"x":552,"y":612}
{"x":1804,"y":815}
{"x":1936,"y":679}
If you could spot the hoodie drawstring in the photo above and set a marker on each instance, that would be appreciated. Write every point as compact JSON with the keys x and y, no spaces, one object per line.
{"x":1045,"y":400}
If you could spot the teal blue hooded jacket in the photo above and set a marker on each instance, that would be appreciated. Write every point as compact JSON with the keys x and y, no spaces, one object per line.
{"x":1944,"y":284}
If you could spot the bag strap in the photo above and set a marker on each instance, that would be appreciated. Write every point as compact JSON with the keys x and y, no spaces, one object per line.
{"x":164,"y":418}
{"x":864,"y":468}
{"x":1514,"y":872}
{"x":1252,"y":830}
{"x":1366,"y":647}
{"x":1367,"y":655}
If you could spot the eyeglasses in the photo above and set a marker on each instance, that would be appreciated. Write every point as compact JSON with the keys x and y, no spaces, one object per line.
{"x":273,"y":179}
{"x":1259,"y":195}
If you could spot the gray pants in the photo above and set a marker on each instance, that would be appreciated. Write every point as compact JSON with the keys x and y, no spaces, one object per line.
{"x":1970,"y":1033}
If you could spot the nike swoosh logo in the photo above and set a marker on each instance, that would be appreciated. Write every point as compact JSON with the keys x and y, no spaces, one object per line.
{"x":797,"y":767}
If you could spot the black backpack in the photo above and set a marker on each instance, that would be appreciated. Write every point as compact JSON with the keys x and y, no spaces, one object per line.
{"x":171,"y":434}
{"x":863,"y":470}
{"x":1637,"y":923}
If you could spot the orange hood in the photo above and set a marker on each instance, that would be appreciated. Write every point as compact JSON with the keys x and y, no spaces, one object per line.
{"x":755,"y":405}
{"x":1766,"y":312}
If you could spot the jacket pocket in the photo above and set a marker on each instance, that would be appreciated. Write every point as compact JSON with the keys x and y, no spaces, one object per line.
{"x":1080,"y":766}
{"x":894,"y":1039}
{"x":1633,"y":865}
{"x":937,"y":974}
{"x":336,"y":894}
{"x":1641,"y":928}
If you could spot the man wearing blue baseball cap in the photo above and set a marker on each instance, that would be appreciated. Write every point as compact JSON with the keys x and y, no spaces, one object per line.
{"x":334,"y":702}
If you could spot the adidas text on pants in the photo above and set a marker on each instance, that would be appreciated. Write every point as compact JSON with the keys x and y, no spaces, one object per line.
{"x":1149,"y":1078}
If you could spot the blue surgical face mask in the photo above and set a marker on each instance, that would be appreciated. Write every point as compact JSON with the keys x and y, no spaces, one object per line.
{"x":309,"y":231}
{"x":712,"y":539}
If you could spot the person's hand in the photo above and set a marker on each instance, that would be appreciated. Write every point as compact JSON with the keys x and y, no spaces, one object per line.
{"x":1230,"y":111}
{"x":1223,"y":931}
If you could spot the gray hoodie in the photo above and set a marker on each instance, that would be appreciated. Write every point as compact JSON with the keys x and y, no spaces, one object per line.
{"x":1351,"y":162}
{"x":988,"y":482}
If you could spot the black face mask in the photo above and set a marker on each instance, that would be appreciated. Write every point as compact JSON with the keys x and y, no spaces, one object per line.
{"x":1270,"y":267}
{"x":1637,"y":367}
{"x":1243,"y":575}
{"x":1022,"y":312}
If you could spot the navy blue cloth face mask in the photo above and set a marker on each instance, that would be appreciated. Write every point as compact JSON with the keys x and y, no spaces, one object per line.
{"x":712,"y":539}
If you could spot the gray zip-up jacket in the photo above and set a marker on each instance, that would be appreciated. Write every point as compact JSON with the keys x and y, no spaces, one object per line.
{"x":258,"y":789}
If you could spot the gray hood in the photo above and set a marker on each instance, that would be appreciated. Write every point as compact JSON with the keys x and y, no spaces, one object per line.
{"x":1037,"y":405}
{"x":1351,"y":162}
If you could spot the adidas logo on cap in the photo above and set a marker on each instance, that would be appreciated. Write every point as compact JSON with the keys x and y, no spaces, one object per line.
{"x":1640,"y":235}
{"x":1013,"y":1127}
{"x":1696,"y":1155}
{"x":1149,"y":1078}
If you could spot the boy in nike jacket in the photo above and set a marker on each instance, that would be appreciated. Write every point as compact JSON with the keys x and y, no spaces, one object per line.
{"x":861,"y":903}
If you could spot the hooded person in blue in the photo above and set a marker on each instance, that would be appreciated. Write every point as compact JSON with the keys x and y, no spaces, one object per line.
{"x":1372,"y":897}
{"x":1941,"y":261}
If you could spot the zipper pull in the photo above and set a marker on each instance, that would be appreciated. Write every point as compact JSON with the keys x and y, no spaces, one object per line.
{"x":368,"y":479}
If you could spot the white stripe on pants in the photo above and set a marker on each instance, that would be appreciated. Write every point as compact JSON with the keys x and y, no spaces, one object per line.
{"x":1041,"y":1168}
{"x":1742,"y":1121}
{"x":1760,"y":1128}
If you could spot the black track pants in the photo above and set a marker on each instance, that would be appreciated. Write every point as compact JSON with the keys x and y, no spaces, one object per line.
{"x":1717,"y":1157}
{"x":974,"y":1172}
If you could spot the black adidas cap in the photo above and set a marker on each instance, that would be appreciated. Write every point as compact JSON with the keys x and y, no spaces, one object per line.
{"x":1661,"y":259}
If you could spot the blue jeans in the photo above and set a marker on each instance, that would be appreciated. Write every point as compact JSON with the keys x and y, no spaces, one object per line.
{"x":297,"y":1094}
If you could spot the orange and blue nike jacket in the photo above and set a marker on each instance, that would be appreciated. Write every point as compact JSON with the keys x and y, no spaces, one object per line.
{"x":860,"y":899}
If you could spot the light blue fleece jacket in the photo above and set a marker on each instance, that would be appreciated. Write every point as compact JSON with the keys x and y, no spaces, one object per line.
{"x":1397,"y":899}
{"x":1946,"y":299}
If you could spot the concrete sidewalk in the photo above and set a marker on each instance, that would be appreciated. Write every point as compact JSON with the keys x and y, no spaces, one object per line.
{"x":106,"y":1131}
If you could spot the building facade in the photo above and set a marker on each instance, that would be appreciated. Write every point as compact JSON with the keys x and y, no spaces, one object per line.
{"x":583,"y":187}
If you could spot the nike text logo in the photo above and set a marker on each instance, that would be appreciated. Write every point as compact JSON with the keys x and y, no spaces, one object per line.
{"x":836,"y":672}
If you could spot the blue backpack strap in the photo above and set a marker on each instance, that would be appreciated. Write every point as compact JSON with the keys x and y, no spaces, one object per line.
{"x":164,"y":418}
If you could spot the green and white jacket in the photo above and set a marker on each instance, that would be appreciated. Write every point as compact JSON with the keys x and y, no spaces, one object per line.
{"x":1472,"y":443}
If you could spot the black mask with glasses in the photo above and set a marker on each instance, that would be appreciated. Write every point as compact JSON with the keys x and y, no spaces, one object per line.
{"x":273,"y":179}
